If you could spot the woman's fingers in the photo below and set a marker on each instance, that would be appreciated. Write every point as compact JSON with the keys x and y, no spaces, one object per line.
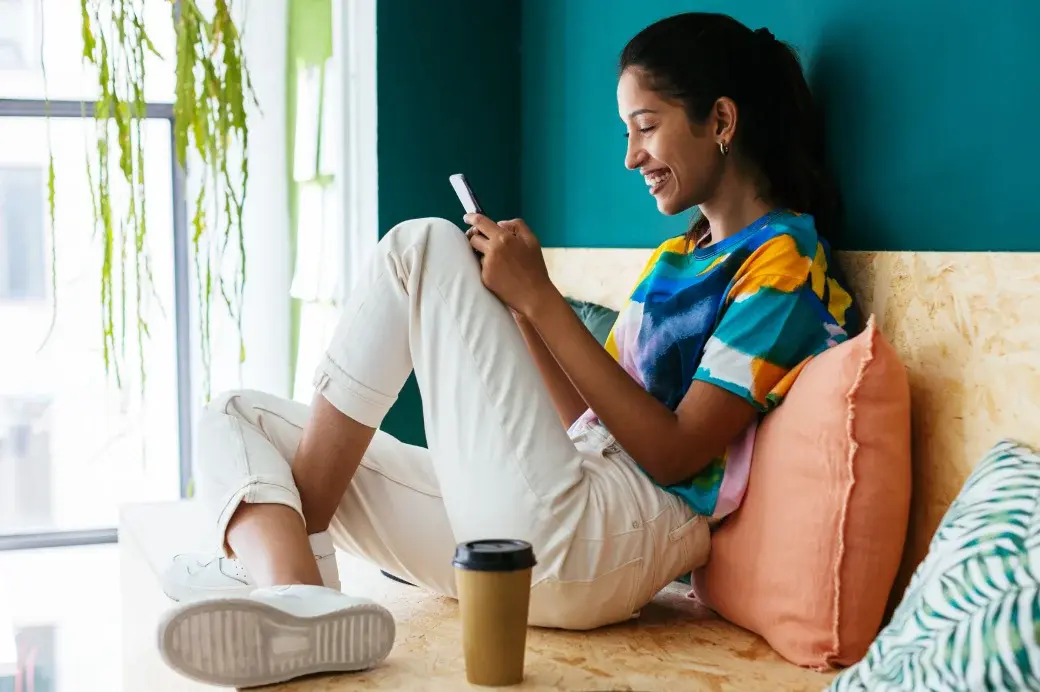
{"x":484,"y":225}
{"x":478,"y":241}
{"x":518,"y":229}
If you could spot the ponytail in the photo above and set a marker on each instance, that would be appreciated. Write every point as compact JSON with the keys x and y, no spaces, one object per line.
{"x":698,"y":58}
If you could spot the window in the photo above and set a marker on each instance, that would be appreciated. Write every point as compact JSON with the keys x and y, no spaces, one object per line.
{"x":74,"y":446}
{"x":16,"y":28}
{"x":22,"y":263}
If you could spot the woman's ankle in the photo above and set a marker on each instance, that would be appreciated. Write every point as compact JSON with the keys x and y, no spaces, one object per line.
{"x":273,"y":545}
{"x":315,"y":524}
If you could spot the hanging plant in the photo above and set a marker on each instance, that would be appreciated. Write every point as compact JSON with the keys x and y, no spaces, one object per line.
{"x":212,"y":88}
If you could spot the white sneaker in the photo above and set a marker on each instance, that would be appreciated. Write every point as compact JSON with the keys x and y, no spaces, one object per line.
{"x":275,"y":634}
{"x":190,"y":577}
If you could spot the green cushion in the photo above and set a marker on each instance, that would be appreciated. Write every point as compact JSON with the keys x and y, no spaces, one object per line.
{"x":597,"y":319}
{"x":970,"y":617}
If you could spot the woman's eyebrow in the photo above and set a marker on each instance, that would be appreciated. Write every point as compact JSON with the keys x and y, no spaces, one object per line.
{"x":641,"y":111}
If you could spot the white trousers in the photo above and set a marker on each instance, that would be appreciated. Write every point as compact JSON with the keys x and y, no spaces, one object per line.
{"x":499,"y":464}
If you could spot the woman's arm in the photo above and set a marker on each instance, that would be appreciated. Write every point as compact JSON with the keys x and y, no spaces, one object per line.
{"x":569,"y":403}
{"x":670,"y":446}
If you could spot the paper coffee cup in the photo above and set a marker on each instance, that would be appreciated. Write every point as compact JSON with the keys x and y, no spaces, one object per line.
{"x":493,"y":578}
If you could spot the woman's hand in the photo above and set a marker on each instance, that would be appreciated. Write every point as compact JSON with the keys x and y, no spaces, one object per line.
{"x":512,"y":266}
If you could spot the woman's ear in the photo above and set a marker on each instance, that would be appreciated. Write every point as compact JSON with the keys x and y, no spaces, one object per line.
{"x":725,"y":112}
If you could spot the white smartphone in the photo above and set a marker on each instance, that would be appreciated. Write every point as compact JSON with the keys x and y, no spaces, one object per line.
{"x":465,"y":193}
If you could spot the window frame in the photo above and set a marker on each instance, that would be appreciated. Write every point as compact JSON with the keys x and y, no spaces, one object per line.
{"x":35,"y":108}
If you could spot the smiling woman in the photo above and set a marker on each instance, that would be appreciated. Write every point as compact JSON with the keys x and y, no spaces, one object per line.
{"x":687,"y":106}
{"x":610,"y":462}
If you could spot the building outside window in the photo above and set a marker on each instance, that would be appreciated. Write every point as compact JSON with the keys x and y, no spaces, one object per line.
{"x":17,"y":34}
{"x":23,"y":268}
{"x":73,"y":444}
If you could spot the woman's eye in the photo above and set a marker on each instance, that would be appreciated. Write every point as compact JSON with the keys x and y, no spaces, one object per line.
{"x":643,"y":130}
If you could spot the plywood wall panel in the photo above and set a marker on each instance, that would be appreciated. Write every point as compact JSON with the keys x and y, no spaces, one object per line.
{"x":967,"y":326}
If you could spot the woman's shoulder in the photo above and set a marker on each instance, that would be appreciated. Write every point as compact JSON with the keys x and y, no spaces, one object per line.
{"x":676,"y":245}
{"x":783,"y":232}
{"x":788,"y":232}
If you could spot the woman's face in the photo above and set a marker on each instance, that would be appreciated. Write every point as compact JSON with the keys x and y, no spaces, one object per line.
{"x":679,"y":160}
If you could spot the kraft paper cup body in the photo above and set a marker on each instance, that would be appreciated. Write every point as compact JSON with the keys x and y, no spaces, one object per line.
{"x":493,"y":578}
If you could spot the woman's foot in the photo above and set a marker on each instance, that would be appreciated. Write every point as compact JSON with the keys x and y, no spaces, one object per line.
{"x":275,"y":634}
{"x":191,"y":577}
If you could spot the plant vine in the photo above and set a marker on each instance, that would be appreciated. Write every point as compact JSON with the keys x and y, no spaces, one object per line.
{"x":53,"y":235}
{"x":213,"y":85}
{"x":211,"y":92}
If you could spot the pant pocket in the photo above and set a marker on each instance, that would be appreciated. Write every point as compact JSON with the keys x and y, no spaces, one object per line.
{"x":690,"y":541}
{"x":587,"y":604}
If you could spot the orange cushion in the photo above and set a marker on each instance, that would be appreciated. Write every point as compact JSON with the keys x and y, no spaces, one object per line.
{"x":809,"y":558}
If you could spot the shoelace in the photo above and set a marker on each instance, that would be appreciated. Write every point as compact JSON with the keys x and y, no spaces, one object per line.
{"x":199,"y":565}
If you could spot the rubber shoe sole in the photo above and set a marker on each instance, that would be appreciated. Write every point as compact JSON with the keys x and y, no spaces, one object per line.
{"x":238,"y":642}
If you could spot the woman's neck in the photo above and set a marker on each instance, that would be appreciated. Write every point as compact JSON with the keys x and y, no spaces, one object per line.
{"x":732,"y":211}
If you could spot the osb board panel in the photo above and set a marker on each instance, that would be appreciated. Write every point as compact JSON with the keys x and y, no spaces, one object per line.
{"x":965,"y":326}
{"x":674,"y":645}
{"x":600,"y":276}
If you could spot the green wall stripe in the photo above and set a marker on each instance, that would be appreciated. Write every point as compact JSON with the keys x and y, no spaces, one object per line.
{"x":449,"y":101}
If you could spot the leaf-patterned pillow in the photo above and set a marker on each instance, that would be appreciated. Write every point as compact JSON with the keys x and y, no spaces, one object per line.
{"x":970,"y":618}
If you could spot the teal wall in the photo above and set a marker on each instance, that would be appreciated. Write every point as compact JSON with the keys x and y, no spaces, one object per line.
{"x":933,"y":107}
{"x":449,"y":101}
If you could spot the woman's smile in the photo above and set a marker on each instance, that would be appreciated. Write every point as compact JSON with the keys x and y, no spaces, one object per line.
{"x":656,"y":179}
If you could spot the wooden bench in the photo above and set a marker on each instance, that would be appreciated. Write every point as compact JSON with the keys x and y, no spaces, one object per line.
{"x":675,"y":644}
{"x":963,"y":324}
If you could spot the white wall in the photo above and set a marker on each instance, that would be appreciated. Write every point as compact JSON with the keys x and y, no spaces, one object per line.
{"x":354,"y":46}
{"x":266,"y":320}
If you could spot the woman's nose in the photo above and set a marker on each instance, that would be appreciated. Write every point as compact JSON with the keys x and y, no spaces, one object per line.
{"x":634,"y":156}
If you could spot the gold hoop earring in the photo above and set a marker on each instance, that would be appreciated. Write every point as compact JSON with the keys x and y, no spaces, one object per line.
{"x":724,"y":148}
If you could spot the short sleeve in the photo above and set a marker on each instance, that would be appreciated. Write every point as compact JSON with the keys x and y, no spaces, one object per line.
{"x":771,"y":324}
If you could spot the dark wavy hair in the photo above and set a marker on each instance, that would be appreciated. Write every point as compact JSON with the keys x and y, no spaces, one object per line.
{"x":697,"y":58}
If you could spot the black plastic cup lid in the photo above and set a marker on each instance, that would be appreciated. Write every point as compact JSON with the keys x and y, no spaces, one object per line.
{"x":494,"y":555}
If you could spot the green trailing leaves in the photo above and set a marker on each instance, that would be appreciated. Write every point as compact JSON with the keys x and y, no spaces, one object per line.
{"x":212,"y":90}
{"x":53,"y":235}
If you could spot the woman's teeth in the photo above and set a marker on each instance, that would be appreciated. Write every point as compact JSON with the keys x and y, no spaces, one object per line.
{"x":656,"y":180}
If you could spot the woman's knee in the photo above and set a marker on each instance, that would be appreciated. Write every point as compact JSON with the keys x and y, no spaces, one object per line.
{"x":424,"y":233}
{"x":221,"y":404}
{"x":214,"y":430}
{"x":219,"y":431}
{"x":246,"y":405}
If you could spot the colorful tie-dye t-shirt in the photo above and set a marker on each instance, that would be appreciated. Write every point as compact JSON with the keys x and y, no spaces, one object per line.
{"x":745,"y":314}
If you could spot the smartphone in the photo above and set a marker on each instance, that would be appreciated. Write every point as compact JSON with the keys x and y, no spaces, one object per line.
{"x":465,"y":193}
